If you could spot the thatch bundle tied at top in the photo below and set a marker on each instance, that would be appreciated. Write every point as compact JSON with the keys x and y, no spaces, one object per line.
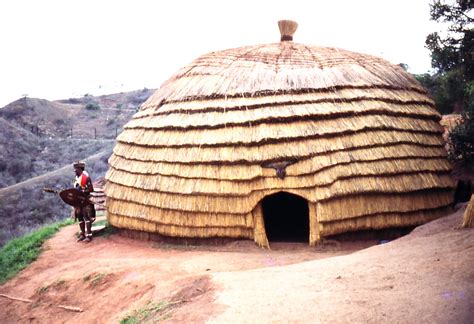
{"x":354,"y":136}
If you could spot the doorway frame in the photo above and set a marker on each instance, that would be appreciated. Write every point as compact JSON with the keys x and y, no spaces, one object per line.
{"x":260,"y":234}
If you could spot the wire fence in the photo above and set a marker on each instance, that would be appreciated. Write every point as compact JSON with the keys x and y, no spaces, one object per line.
{"x":78,"y":133}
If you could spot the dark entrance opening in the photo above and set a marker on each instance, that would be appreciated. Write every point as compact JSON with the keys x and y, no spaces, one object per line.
{"x":286,"y":218}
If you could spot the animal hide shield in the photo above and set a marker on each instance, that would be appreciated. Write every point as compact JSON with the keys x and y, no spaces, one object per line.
{"x":74,"y":197}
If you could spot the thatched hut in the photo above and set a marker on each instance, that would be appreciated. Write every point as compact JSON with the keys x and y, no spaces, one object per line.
{"x":258,"y":141}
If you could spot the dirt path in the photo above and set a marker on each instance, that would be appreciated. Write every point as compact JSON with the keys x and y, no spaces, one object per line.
{"x":427,"y":276}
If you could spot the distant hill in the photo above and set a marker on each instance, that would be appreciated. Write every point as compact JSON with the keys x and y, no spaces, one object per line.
{"x":40,"y":137}
{"x":19,"y":149}
{"x":40,"y":116}
{"x":86,"y":117}
{"x":33,"y":131}
{"x":123,"y":100}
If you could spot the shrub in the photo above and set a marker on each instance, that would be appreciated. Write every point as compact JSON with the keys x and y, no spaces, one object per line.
{"x":92,"y":106}
{"x":462,"y":136}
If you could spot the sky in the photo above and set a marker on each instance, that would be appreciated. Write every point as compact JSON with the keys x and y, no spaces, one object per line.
{"x":65,"y":49}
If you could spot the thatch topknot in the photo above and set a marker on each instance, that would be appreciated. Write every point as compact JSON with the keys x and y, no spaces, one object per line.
{"x":287,"y":29}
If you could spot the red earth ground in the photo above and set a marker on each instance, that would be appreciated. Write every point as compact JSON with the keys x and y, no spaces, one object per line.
{"x":424,"y":277}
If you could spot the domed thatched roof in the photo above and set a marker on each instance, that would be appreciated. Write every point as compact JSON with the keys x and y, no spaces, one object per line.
{"x":354,"y":135}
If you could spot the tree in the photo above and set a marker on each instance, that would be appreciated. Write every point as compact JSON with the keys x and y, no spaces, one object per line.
{"x":452,"y":53}
{"x":462,"y":136}
{"x":452,"y":85}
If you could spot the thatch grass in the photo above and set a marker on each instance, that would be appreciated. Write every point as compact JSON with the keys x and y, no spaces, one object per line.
{"x":468,"y":220}
{"x":219,"y":203}
{"x":275,"y":130}
{"x":280,"y":67}
{"x":303,"y":147}
{"x":279,"y":113}
{"x":363,"y":139}
{"x":179,"y":231}
{"x":400,"y":99}
{"x":326,"y":176}
{"x":252,"y":171}
{"x":287,"y":29}
{"x":383,"y":220}
{"x":331,"y":210}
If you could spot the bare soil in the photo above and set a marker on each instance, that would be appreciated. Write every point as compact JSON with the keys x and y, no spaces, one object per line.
{"x":424,"y":277}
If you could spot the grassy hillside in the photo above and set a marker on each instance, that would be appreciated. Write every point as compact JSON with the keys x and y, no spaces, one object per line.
{"x":27,"y":156}
{"x":123,"y":100}
{"x":89,"y":118}
{"x":19,"y":148}
{"x":38,"y":136}
{"x":25,"y":206}
{"x":38,"y":151}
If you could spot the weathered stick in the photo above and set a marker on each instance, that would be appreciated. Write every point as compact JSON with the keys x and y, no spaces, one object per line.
{"x":69,"y":308}
{"x":17,"y":298}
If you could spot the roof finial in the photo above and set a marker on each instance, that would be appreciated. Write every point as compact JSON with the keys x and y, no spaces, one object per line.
{"x":287,"y":29}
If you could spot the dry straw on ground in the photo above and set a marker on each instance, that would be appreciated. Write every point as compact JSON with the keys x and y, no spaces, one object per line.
{"x":469,"y":214}
{"x":360,"y":138}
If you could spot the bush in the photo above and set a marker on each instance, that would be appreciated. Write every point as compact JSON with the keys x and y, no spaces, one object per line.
{"x":73,"y":101}
{"x":462,"y":139}
{"x":3,"y":166}
{"x":92,"y":106}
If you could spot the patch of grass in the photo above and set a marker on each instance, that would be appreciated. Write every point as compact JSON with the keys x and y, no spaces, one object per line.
{"x":59,"y":283}
{"x":20,"y":252}
{"x":183,"y":247}
{"x":101,"y":222}
{"x":107,"y":231}
{"x":42,"y":290}
{"x":98,"y":279}
{"x":142,"y":314}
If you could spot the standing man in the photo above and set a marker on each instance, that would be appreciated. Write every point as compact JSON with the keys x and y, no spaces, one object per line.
{"x":86,"y":213}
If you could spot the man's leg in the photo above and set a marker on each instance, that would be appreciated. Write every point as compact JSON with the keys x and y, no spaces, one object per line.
{"x":88,"y":222}
{"x":79,"y":215}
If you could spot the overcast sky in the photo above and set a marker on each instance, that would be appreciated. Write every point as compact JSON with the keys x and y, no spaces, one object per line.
{"x":63,"y":49}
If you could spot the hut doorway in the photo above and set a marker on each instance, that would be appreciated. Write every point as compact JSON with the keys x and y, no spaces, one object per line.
{"x":286,"y":217}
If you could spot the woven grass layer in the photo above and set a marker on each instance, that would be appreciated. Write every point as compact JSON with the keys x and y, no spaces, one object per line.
{"x":207,"y":119}
{"x":319,"y":103}
{"x":299,"y":148}
{"x":365,"y":205}
{"x":253,"y":171}
{"x":468,"y":220}
{"x":399,"y":183}
{"x":274,"y":132}
{"x":279,"y":67}
{"x":324,"y":177}
{"x":331,"y":210}
{"x":178,"y":231}
{"x":178,"y":218}
{"x":377,"y":221}
{"x":381,"y":221}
